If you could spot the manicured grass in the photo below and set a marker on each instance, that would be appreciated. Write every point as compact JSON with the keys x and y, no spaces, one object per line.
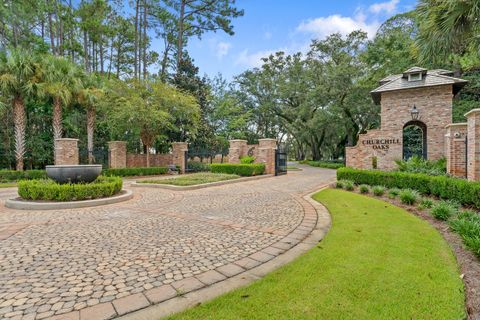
{"x":376,"y":262}
{"x":7,"y":185}
{"x":293,"y":168}
{"x":194,"y":179}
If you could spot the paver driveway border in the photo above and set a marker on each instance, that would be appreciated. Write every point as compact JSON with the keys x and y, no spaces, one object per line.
{"x":20,"y":204}
{"x":189,"y":292}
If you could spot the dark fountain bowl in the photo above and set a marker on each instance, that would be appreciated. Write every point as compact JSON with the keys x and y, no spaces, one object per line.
{"x":74,"y":173}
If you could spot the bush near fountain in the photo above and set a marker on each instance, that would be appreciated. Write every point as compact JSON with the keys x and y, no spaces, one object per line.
{"x":50,"y":190}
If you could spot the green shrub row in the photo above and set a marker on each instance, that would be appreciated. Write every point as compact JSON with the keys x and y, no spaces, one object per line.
{"x":240,"y":169}
{"x":50,"y":190}
{"x":462,"y":191}
{"x":323,"y":164}
{"x":197,"y":166}
{"x":126,"y":172}
{"x":12,"y":175}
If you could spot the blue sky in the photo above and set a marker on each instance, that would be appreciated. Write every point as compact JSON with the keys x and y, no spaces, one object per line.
{"x":287,"y":25}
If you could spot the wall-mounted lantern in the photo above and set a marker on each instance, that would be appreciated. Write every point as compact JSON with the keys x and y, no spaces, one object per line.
{"x":414,"y":112}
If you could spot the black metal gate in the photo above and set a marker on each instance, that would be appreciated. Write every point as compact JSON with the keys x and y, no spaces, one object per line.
{"x":280,"y":161}
{"x":198,"y":158}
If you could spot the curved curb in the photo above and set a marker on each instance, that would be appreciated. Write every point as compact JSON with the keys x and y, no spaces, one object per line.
{"x":31,"y":205}
{"x":175,"y":297}
{"x":198,"y":186}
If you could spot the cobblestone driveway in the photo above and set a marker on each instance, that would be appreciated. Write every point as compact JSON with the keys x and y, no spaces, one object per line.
{"x":158,"y":245}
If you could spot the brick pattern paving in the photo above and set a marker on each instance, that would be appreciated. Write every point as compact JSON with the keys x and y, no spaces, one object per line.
{"x":99,"y":263}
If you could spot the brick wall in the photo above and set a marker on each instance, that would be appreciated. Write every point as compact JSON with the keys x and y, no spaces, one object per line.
{"x":435,"y":110}
{"x":66,"y":151}
{"x":156,"y":160}
{"x":473,"y":151}
{"x":455,"y":149}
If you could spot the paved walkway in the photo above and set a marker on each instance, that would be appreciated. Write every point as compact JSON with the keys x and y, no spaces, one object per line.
{"x":102,"y":262}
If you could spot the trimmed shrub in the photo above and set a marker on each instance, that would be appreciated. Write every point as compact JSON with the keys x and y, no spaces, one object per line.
{"x":240,"y":169}
{"x":443,"y":210}
{"x":378,"y":190}
{"x":196,"y":166}
{"x":339,"y":184}
{"x":348,"y":185}
{"x":417,"y":164}
{"x":126,"y":172}
{"x":53,"y":191}
{"x":364,"y":188}
{"x":409,"y":196}
{"x":323,"y":164}
{"x":393,"y":193}
{"x":426,"y":203}
{"x":464,"y":192}
{"x":12,"y":175}
{"x":247,"y":159}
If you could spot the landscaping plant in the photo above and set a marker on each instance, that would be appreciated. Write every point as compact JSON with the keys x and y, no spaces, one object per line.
{"x":364,"y":188}
{"x":409,"y":196}
{"x":241,"y":169}
{"x":50,"y":190}
{"x":443,"y":210}
{"x":125,"y":172}
{"x":467,"y":225}
{"x":393,"y":193}
{"x":247,"y":159}
{"x":378,"y":190}
{"x":339,"y":184}
{"x":425,"y":203}
{"x":348,"y":185}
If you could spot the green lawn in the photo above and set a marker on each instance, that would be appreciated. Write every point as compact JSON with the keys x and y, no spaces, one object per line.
{"x":8,"y":185}
{"x":193,"y":179}
{"x":377,"y":262}
{"x":293,"y":168}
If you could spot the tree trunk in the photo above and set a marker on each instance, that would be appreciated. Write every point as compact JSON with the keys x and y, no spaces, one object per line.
{"x":19,"y":119}
{"x":85,"y":50}
{"x":90,"y":131}
{"x":135,"y":62}
{"x":180,"y":34}
{"x":101,"y":54}
{"x":145,"y":24}
{"x":148,"y":156}
{"x":52,"y":34}
{"x":57,"y":120}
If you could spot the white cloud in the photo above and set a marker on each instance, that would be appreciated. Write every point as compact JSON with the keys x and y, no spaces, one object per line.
{"x":324,"y":26}
{"x":222,"y":49}
{"x":267,"y":35}
{"x":384,"y":7}
{"x":253,"y":60}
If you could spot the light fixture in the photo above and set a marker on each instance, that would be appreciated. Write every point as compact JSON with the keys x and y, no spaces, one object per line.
{"x":414,"y":112}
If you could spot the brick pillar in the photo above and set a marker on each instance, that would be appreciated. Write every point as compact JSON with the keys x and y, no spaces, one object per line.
{"x":238,"y":148}
{"x":178,"y":152}
{"x":66,"y":151}
{"x":117,"y":154}
{"x":455,"y":149}
{"x":473,"y":144}
{"x":266,"y":154}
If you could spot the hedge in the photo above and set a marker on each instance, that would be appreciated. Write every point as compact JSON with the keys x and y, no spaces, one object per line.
{"x":240,"y":169}
{"x":53,"y":191}
{"x":464,"y":192}
{"x":125,"y":172}
{"x":12,"y":175}
{"x":323,"y":164}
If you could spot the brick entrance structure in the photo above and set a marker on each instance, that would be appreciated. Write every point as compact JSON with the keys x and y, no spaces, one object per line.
{"x":416,"y":97}
{"x":264,"y":152}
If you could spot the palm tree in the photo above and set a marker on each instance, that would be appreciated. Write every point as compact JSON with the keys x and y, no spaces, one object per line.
{"x":60,"y":81}
{"x":447,"y":27}
{"x":18,"y":79}
{"x":89,"y":97}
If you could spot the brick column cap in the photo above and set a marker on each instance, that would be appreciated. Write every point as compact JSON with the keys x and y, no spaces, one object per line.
{"x":237,"y":140}
{"x":461,"y":124}
{"x":267,"y":139}
{"x":477,"y":110}
{"x":66,"y":139}
{"x":117,"y":141}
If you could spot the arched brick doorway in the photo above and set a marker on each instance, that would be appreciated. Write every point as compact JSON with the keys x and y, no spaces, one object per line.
{"x":414,"y":139}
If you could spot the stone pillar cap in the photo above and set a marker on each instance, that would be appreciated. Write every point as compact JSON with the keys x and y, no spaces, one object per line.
{"x":237,"y":140}
{"x":461,"y":124}
{"x":66,"y":139}
{"x":116,"y":141}
{"x":267,"y":139}
{"x":472,"y":111}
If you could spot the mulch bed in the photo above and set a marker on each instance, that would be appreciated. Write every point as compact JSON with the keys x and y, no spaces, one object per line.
{"x":469,"y":264}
